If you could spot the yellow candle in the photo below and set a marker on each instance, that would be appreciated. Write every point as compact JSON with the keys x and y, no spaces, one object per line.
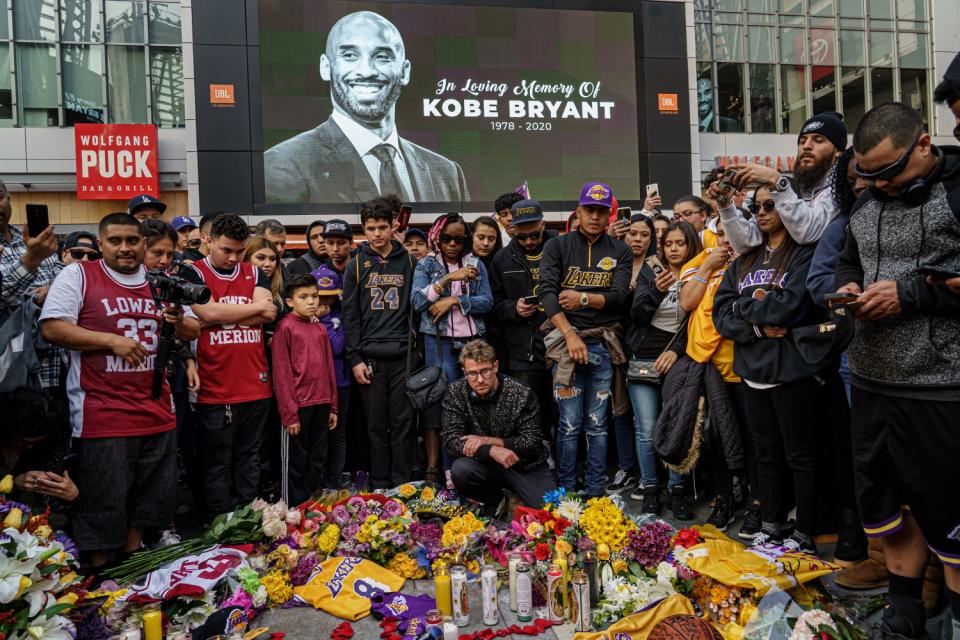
{"x":441,"y":584}
{"x":152,"y":624}
{"x":564,"y":567}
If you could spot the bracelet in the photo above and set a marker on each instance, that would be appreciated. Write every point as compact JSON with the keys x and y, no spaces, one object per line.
{"x":438,"y":289}
{"x":700,"y":279}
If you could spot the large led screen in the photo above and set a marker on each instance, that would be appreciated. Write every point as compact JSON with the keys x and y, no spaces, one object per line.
{"x":441,"y":103}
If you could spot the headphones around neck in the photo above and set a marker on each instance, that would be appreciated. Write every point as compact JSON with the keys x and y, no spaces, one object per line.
{"x":916,"y":191}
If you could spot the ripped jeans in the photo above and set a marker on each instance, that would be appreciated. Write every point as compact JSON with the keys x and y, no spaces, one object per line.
{"x":583,"y":407}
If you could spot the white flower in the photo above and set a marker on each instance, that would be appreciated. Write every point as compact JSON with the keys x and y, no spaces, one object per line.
{"x":274,"y":528}
{"x":28,"y":545}
{"x":570,"y":510}
{"x":56,"y":628}
{"x":666,"y":572}
{"x":14,"y":576}
{"x":292,"y":517}
{"x":809,"y":622}
{"x":260,"y":597}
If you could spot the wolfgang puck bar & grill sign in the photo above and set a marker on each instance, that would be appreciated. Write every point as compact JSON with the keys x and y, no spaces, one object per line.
{"x":116,"y":161}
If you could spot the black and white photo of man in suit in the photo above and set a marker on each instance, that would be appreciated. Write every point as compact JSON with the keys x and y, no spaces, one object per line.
{"x":357,"y":153}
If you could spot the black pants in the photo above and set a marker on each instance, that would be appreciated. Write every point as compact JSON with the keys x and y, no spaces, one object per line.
{"x":230,"y":451}
{"x":541,"y":382}
{"x":355,"y":414}
{"x":839,"y":472}
{"x":389,"y":424}
{"x":337,"y":449}
{"x":304,"y":456}
{"x":485,"y":480}
{"x":723,"y":476}
{"x":784,"y":427}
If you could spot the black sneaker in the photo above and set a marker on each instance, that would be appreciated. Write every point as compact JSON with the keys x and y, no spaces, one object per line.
{"x":851,"y":543}
{"x":651,"y":500}
{"x":622,"y":481}
{"x":679,"y":504}
{"x":763,"y":537}
{"x":903,"y":618}
{"x":799,"y":543}
{"x":722,"y":514}
{"x":751,"y":521}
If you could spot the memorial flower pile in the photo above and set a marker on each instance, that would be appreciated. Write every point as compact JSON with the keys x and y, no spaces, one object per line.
{"x":372,"y":527}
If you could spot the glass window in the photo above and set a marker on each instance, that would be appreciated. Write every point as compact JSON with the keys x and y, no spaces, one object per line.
{"x":880,"y":9}
{"x":851,"y":8}
{"x":829,"y":23}
{"x":854,"y":96}
{"x":80,"y":21}
{"x":730,"y":97}
{"x":125,"y":21}
{"x":4,"y":26}
{"x":82,"y":83}
{"x":763,"y":91}
{"x":913,"y":50}
{"x":823,"y":48}
{"x":37,"y":85}
{"x":793,"y":45}
{"x":765,"y":6}
{"x":761,"y":18}
{"x":728,"y":5}
{"x":852,"y":48}
{"x":705,"y":101}
{"x":166,"y":86}
{"x":881,"y":48}
{"x":762,"y":44}
{"x":793,"y":108}
{"x":728,"y":42}
{"x":126,"y":84}
{"x":791,"y":6}
{"x":881,"y":86}
{"x":35,"y":20}
{"x":882,"y":25}
{"x":703,"y":41}
{"x":824,"y":88}
{"x":912,"y":9}
{"x":792,"y":21}
{"x":913,"y":91}
{"x":821,"y":7}
{"x":6,"y":97}
{"x":164,"y":23}
{"x":852,"y":23}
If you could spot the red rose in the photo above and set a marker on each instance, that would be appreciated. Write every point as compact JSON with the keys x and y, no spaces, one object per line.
{"x":541,"y":551}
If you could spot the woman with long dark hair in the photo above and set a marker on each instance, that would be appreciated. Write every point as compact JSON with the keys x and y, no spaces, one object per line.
{"x":485,"y":239}
{"x":761,"y":300}
{"x":451,"y":291}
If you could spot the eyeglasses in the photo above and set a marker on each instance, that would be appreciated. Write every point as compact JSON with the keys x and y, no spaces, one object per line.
{"x":688,"y":213}
{"x":890,"y":172}
{"x":767,"y":205}
{"x":483,"y":373}
{"x":447,"y":239}
{"x":533,"y":235}
{"x":192,"y":244}
{"x":80,"y":254}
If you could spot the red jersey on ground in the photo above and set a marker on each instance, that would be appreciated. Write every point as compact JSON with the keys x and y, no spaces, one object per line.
{"x":108,"y":397}
{"x":230,"y":357}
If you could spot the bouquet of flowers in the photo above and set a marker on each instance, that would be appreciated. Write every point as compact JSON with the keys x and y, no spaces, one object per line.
{"x":605,"y":523}
{"x":372,"y":527}
{"x":724,"y":604}
{"x":817,"y":624}
{"x":626,"y":594}
{"x":38,"y":578}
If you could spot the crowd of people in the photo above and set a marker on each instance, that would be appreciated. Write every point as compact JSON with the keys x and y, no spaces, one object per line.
{"x":786,"y":348}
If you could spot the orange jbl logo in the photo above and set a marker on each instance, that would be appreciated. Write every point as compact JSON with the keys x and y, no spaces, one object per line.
{"x":222,"y":94}
{"x":667,"y":103}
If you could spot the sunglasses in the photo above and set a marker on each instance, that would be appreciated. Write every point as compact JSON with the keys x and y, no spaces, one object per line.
{"x":447,"y":239}
{"x":890,"y":172}
{"x":767,"y":205}
{"x":80,"y":254}
{"x":533,"y":235}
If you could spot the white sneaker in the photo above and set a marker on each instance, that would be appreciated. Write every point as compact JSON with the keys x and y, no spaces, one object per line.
{"x":761,"y":538}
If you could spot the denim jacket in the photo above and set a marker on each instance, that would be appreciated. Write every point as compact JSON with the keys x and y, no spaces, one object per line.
{"x":477,"y":302}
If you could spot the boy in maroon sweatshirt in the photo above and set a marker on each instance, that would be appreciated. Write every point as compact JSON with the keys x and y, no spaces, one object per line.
{"x":305,"y":386}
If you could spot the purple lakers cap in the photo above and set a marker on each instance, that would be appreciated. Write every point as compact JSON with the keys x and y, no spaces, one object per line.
{"x":596,"y":194}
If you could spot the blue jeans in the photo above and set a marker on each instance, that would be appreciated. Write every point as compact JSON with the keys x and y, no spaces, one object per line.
{"x":645,"y":399}
{"x":451,"y":357}
{"x":583,"y":407}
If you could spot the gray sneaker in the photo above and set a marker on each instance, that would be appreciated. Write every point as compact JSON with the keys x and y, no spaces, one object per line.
{"x":622,"y":481}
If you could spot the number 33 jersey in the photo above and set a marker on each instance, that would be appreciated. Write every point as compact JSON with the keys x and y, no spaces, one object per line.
{"x":110,"y":397}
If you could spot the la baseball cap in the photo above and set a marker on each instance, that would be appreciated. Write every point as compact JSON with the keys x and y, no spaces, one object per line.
{"x":136,"y":202}
{"x":328,"y":281}
{"x":337,"y":229}
{"x":596,"y":194}
{"x":182,"y":222}
{"x":526,"y":211}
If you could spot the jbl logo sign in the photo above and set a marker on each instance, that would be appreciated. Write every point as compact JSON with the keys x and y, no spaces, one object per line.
{"x":667,"y":103}
{"x":222,"y":95}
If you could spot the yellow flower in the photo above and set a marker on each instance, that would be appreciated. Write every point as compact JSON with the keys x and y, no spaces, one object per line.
{"x":6,"y":485}
{"x":428,"y":494}
{"x":277,"y":584}
{"x":68,"y":598}
{"x":563,"y":547}
{"x":474,"y":567}
{"x":327,"y":541}
{"x":603,"y":551}
{"x":619,"y":566}
{"x":407,"y":490}
{"x":13,"y":519}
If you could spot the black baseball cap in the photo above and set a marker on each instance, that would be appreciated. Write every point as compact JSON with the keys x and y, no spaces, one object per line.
{"x":83,"y":239}
{"x":138,"y":202}
{"x":337,"y":229}
{"x":414,"y":231}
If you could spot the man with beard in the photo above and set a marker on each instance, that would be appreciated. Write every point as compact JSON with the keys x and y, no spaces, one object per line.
{"x":822,"y":139}
{"x":357,"y":153}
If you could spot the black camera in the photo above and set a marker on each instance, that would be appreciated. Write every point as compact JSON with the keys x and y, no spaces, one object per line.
{"x":173,"y":289}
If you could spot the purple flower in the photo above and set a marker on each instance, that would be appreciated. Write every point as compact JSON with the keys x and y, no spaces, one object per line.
{"x":392,"y":508}
{"x":362,"y":514}
{"x":584,"y":544}
{"x":350,"y":531}
{"x":304,"y":568}
{"x":68,"y":545}
{"x":650,"y":544}
{"x":340,"y":515}
{"x":355,"y":503}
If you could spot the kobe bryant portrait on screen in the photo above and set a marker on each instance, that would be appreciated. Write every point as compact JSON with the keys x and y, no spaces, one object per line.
{"x":357,"y":153}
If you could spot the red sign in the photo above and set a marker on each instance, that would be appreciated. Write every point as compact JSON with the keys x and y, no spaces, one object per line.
{"x":116,"y":161}
{"x":222,"y":95}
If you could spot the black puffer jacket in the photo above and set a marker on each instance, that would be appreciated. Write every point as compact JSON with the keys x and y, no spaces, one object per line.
{"x":688,"y":390}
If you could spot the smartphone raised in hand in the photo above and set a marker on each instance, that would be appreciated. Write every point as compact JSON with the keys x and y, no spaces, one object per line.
{"x":726,"y":186}
{"x":623,"y":214}
{"x":403,"y":218}
{"x":654,"y":263}
{"x":531,"y":299}
{"x":653,"y":190}
{"x":38,"y":219}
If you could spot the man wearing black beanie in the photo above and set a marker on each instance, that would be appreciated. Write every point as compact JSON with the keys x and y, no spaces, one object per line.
{"x":948,"y":92}
{"x":822,"y":139}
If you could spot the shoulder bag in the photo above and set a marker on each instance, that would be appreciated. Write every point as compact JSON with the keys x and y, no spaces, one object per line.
{"x":643,"y":371}
{"x":425,"y":386}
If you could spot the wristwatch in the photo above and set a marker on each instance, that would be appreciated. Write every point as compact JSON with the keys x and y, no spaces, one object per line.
{"x":584,"y":299}
{"x":781,"y":185}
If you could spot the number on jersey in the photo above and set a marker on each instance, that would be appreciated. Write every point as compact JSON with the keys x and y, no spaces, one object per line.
{"x":381,"y":299}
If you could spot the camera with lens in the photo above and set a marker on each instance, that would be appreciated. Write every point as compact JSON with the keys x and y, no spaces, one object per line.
{"x":173,"y":289}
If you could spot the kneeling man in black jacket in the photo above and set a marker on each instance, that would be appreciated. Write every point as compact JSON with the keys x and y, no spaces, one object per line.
{"x":490,"y":426}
